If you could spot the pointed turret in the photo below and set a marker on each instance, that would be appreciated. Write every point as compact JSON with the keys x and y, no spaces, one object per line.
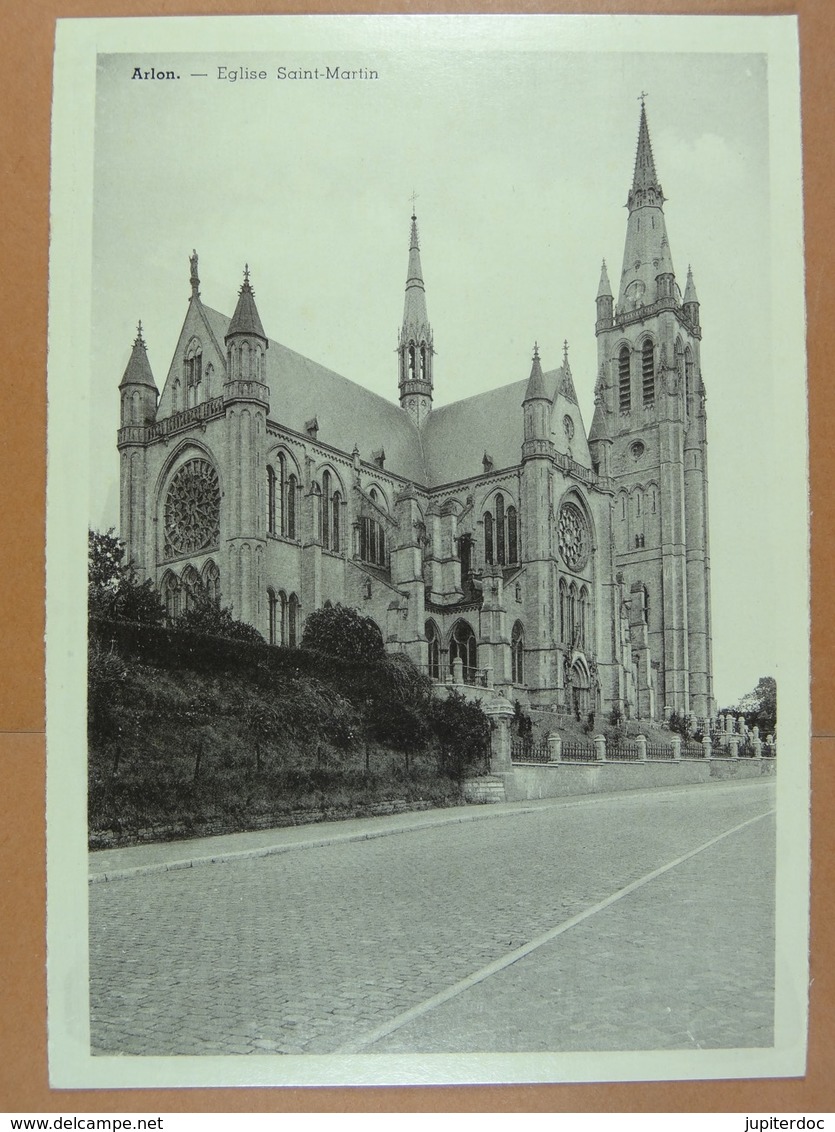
{"x":691,"y":300}
{"x":138,"y":388}
{"x":415,"y":346}
{"x":246,"y":342}
{"x":246,"y":319}
{"x":605,"y":301}
{"x":536,"y":410}
{"x":535,"y":390}
{"x":648,"y":273}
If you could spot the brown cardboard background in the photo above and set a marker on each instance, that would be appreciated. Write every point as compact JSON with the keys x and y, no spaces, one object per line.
{"x":25,"y":94}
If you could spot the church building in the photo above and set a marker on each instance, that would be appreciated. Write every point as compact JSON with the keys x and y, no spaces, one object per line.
{"x":494,"y":540}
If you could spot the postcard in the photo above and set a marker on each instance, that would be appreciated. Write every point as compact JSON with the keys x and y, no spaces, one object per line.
{"x":427,"y":551}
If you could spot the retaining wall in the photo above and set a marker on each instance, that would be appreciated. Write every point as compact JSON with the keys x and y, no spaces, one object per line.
{"x":555,"y":780}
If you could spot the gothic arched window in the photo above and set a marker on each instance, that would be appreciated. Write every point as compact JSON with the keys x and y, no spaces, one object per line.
{"x":465,"y":555}
{"x":501,"y":536}
{"x":512,"y":535}
{"x":501,"y":542}
{"x":325,"y":509}
{"x":565,"y":634}
{"x":648,"y":372}
{"x":211,"y":582}
{"x":624,"y":381}
{"x":171,"y":593}
{"x":191,"y":588}
{"x":193,"y":371}
{"x":292,"y":488}
{"x":433,"y":642}
{"x":275,"y":625}
{"x":336,"y":533}
{"x":517,"y":654}
{"x":292,"y":621}
{"x":488,"y":538}
{"x":271,"y":500}
{"x":583,"y":627}
{"x":462,"y":646}
{"x":281,"y":627}
{"x":372,"y":541}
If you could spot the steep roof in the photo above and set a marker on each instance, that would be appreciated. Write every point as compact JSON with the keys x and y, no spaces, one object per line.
{"x":138,"y":369}
{"x":347,"y":413}
{"x":246,"y":319}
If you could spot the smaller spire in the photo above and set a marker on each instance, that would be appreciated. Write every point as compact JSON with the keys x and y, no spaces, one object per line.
{"x":566,"y":384}
{"x":246,"y":319}
{"x":604,"y":291}
{"x":138,"y":369}
{"x":690,"y":295}
{"x":536,"y":382}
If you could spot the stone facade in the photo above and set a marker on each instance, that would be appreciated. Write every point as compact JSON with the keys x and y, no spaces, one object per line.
{"x":492,"y":540}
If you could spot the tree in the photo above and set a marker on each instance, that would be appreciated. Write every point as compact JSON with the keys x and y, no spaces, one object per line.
{"x":340,"y":631}
{"x":114,"y":591}
{"x":759,"y":707}
{"x":210,"y":619}
{"x":462,"y":731}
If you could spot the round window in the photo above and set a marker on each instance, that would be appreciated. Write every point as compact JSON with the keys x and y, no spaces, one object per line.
{"x":192,"y":509}
{"x":574,"y":536}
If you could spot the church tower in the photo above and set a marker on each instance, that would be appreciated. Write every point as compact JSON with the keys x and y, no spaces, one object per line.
{"x":415,"y":350}
{"x":246,"y":398}
{"x":649,"y":435}
{"x":138,"y":395}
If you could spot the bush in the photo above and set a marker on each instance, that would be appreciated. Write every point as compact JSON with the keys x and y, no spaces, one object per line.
{"x":208,"y":618}
{"x":337,"y":630}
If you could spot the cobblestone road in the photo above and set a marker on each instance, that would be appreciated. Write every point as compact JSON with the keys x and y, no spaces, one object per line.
{"x":311,"y":951}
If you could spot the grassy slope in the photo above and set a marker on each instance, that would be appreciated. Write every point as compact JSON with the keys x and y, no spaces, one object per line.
{"x":182,"y":757}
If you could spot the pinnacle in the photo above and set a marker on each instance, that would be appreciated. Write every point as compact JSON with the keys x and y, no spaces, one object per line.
{"x":246,"y":319}
{"x":536,"y":382}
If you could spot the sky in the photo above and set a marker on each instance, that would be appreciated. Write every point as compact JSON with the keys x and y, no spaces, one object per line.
{"x":521,"y":163}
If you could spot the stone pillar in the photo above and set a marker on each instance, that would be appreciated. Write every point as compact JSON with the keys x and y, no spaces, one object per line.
{"x":733,"y":742}
{"x":600,"y":748}
{"x":641,"y":740}
{"x":707,"y":747}
{"x":676,"y":745}
{"x":500,"y":713}
{"x":758,"y":747}
{"x":554,"y":747}
{"x":458,"y":671}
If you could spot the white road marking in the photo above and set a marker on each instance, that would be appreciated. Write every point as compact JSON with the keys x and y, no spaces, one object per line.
{"x":359,"y":1044}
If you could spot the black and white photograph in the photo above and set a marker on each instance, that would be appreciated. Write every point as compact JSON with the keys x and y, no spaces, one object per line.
{"x":415,"y":644}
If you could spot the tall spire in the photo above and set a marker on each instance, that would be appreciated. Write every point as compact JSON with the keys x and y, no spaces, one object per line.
{"x":604,"y":291}
{"x":415,"y":318}
{"x":646,"y":254}
{"x":646,"y":188}
{"x":246,"y":319}
{"x":415,"y":348}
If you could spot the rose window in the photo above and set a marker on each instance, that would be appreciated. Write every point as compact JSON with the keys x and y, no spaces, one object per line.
{"x":574,"y":538}
{"x":192,"y":509}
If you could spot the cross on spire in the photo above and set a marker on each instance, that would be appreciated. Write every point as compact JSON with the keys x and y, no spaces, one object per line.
{"x":414,"y":198}
{"x":642,"y":97}
{"x":140,"y":341}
